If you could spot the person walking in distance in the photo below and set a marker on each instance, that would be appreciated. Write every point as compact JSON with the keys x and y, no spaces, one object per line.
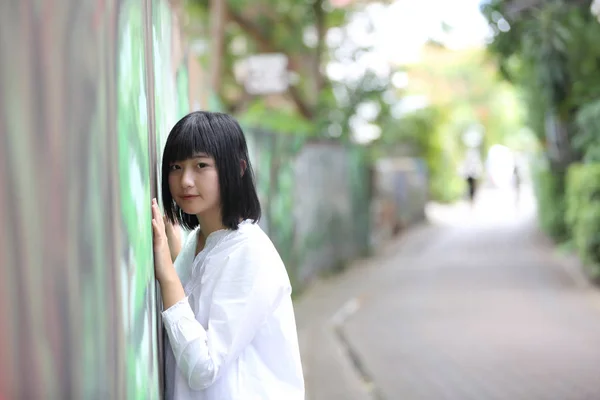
{"x":517,"y":185}
{"x":471,"y":173}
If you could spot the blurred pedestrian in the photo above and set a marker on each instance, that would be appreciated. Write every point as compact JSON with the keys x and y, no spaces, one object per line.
{"x":471,"y":171}
{"x":472,"y":188}
{"x":517,"y":184}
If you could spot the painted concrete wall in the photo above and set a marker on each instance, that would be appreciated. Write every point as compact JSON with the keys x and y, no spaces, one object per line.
{"x":88,"y":92}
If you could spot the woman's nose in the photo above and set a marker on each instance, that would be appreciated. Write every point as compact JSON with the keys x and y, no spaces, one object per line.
{"x":186,"y":179}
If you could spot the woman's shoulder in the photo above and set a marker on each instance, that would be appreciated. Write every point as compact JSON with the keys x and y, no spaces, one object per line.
{"x":252,"y":237}
{"x":251,"y":248}
{"x":250,"y":241}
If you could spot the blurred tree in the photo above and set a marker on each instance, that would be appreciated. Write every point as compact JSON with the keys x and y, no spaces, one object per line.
{"x":549,"y":49}
{"x":467,"y":83}
{"x":297,"y":29}
{"x":445,"y":94}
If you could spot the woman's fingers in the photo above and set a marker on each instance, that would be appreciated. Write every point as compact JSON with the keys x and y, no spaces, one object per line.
{"x":156,"y":214}
{"x":155,"y":232}
{"x":157,"y":221}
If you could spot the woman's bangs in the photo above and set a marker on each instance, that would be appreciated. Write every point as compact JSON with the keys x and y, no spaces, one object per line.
{"x":190,"y":140}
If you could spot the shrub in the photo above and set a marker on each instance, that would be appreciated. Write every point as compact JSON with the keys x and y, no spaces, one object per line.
{"x":583,"y":214}
{"x":587,"y":140}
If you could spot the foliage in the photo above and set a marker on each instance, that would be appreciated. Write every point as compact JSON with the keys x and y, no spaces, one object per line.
{"x":425,"y":132}
{"x":537,"y":38}
{"x":284,"y":121}
{"x":370,"y":89}
{"x":549,"y":186}
{"x":551,"y":52}
{"x":588,"y":140}
{"x":467,"y":84}
{"x":298,"y":30}
{"x":583,"y":214}
{"x":464,"y":91}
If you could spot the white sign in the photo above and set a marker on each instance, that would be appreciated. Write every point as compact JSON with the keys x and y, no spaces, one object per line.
{"x":264,"y":73}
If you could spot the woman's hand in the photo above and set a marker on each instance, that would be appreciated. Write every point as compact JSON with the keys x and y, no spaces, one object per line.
{"x":163,"y":265}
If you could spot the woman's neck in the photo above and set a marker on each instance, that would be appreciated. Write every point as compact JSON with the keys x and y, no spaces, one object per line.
{"x":210,"y":223}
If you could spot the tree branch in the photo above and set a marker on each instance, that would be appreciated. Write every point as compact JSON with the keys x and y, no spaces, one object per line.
{"x":321,"y":31}
{"x":294,"y":64}
{"x":301,"y":105}
{"x":218,"y":15}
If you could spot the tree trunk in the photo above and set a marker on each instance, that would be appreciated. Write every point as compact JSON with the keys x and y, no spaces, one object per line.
{"x":218,"y":18}
{"x":318,"y":59}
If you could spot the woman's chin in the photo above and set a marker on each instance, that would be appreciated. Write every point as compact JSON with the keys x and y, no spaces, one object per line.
{"x":194,"y":207}
{"x":191,"y":210}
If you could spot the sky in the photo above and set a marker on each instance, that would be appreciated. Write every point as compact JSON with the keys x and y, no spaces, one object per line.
{"x":399,"y":32}
{"x":405,"y":25}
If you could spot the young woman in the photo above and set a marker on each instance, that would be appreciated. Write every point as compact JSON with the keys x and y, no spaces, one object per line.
{"x":227,"y":307}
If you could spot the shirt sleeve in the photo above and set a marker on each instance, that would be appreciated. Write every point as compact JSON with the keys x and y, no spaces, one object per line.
{"x":245,"y":295}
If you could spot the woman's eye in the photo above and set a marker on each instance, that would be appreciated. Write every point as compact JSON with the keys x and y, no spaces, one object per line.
{"x":173,"y":167}
{"x":202,"y":165}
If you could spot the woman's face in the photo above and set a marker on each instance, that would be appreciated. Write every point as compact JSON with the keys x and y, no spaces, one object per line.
{"x":194,"y":184}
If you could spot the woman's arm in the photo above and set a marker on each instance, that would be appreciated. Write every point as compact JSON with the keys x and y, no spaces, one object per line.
{"x":164,"y":271}
{"x":171,"y":289}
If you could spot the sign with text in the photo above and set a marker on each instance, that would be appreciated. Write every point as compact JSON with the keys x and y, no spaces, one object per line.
{"x":264,"y":73}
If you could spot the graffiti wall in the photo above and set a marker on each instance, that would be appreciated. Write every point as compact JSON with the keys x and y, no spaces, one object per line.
{"x":315,"y":199}
{"x":331,"y":200}
{"x":400,"y":194}
{"x":325,"y":204}
{"x":88,"y":91}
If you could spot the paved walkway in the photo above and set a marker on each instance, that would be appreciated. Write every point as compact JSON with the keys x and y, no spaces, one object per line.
{"x":475,"y":305}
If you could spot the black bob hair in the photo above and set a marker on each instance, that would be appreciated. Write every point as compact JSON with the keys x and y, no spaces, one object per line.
{"x":219,"y":136}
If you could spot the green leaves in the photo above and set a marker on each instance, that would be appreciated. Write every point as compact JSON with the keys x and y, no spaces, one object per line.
{"x":583,"y":214}
{"x":297,"y":29}
{"x":587,"y":140}
{"x":283,"y":121}
{"x":558,"y":54}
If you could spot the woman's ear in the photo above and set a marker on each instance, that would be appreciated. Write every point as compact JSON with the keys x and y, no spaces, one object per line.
{"x":243,"y":166}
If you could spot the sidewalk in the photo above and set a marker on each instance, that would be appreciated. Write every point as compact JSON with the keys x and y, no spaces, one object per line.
{"x":330,"y":373}
{"x":475,"y":305}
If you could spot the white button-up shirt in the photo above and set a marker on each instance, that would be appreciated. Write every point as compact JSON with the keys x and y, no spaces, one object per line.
{"x":234,"y":336}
